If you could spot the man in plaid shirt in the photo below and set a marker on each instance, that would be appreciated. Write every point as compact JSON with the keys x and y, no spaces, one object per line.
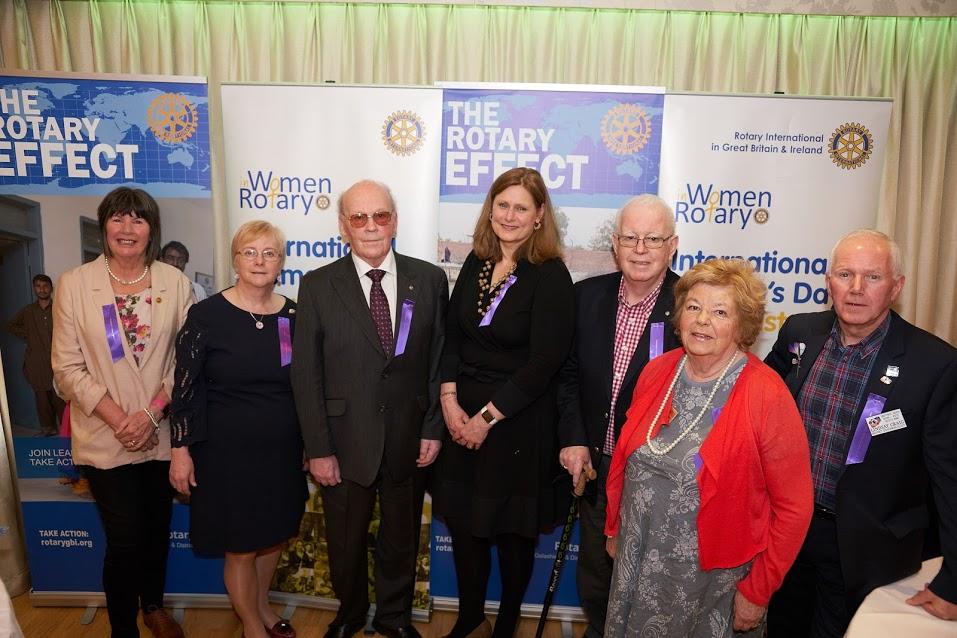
{"x":879,"y":401}
{"x":622,"y":320}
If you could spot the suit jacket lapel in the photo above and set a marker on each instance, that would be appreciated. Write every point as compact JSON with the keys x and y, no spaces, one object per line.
{"x":346,"y":284}
{"x":813,"y":344}
{"x":891,"y":353}
{"x":160,"y":309}
{"x":606,"y":310}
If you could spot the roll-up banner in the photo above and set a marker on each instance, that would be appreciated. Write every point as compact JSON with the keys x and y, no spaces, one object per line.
{"x":65,"y":141}
{"x":290,"y":152}
{"x":776,"y":180}
{"x":595,"y":146}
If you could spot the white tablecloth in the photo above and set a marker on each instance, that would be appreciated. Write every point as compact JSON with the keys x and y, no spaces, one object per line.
{"x":885,"y":614}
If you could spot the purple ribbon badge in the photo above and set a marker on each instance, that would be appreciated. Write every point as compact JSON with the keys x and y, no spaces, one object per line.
{"x":405,"y":323}
{"x":487,"y":319}
{"x":797,"y":349}
{"x":715,"y":413}
{"x":113,"y":337}
{"x":656,"y":344}
{"x":862,"y":433}
{"x":285,"y":342}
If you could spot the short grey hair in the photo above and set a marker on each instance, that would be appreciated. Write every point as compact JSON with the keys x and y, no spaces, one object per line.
{"x":368,"y":182}
{"x":897,"y":261}
{"x":647,"y":200}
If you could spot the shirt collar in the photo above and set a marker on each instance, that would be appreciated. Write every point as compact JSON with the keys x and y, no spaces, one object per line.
{"x":642,"y":304}
{"x":866,"y":346}
{"x":388,"y":264}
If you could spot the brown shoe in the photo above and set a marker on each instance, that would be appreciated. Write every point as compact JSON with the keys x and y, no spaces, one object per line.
{"x":162,"y":624}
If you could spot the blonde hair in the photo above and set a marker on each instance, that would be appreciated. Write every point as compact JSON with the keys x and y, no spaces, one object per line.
{"x":748,"y":293}
{"x":543,"y":244}
{"x":255,"y":229}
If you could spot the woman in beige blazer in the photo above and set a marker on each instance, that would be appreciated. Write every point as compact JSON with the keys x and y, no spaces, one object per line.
{"x":114,"y":328}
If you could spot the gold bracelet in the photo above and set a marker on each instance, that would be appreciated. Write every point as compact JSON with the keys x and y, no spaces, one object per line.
{"x":156,"y":425}
{"x":449,"y":393}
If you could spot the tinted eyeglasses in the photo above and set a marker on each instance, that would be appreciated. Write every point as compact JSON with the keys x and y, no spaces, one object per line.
{"x":380,"y":217}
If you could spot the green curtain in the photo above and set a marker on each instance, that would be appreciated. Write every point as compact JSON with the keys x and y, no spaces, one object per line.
{"x":911,"y":59}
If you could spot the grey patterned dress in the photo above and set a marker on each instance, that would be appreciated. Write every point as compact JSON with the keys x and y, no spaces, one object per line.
{"x":658,"y":587}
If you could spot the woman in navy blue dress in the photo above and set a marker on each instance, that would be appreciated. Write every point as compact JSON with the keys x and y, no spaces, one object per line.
{"x":237,"y":448}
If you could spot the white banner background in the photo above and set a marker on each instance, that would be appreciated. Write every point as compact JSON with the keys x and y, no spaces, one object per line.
{"x":717,"y":156}
{"x":288,"y":147}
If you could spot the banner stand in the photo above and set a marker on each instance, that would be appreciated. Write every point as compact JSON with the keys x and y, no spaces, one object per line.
{"x":562,"y":613}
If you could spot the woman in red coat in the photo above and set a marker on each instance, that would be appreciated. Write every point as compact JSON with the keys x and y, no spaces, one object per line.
{"x":709,"y":492}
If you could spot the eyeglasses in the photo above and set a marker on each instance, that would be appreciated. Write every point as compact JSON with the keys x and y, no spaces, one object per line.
{"x":651,"y":242}
{"x":380,"y":217}
{"x":269,"y":254}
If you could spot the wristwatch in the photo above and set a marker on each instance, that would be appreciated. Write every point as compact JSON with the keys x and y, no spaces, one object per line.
{"x":488,"y":416}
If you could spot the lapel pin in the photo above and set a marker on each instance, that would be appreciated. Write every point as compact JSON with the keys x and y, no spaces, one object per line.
{"x":893,"y":371}
{"x":411,"y":287}
{"x":292,"y":311}
{"x":885,"y":380}
{"x":667,"y":313}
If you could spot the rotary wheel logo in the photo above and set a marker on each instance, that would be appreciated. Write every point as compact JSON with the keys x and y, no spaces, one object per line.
{"x":322,"y":202}
{"x":625,"y":129}
{"x":172,"y":118}
{"x":403,"y":133}
{"x":762,"y":215}
{"x":850,"y":145}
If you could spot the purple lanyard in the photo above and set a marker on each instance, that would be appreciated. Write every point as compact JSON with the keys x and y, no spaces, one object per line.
{"x":487,"y":319}
{"x":113,"y":336}
{"x":656,"y":342}
{"x":285,"y":342}
{"x":405,"y":322}
{"x":862,"y":433}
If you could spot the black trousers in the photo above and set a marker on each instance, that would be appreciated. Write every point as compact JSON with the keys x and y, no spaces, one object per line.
{"x":50,"y":410}
{"x":594,"y":564}
{"x":135,"y":503}
{"x":348,"y":509}
{"x":811,"y":601}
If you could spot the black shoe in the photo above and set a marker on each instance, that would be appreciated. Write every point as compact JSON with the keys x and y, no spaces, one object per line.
{"x":396,"y":632}
{"x":346,"y":630}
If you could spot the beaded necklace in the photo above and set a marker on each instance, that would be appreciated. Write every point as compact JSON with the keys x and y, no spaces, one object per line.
{"x":487,"y":290}
{"x":131,"y":282}
{"x":661,"y":408}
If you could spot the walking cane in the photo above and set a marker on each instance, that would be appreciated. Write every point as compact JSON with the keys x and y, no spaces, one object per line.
{"x":588,"y":474}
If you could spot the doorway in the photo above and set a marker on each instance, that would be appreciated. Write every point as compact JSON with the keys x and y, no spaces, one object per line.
{"x":21,"y":257}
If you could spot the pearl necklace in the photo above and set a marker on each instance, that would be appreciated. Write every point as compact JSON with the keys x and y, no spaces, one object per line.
{"x":661,"y":408}
{"x":146,"y":269}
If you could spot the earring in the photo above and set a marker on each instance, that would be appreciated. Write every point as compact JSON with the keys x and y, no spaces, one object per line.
{"x":538,"y":224}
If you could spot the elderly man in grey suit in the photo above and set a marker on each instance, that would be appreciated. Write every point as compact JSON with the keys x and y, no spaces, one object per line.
{"x":365,"y":375}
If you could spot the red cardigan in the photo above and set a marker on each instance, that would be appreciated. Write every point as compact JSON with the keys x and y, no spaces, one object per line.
{"x":755,"y":481}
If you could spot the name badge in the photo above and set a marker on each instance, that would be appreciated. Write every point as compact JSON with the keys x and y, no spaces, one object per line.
{"x":886,"y":422}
